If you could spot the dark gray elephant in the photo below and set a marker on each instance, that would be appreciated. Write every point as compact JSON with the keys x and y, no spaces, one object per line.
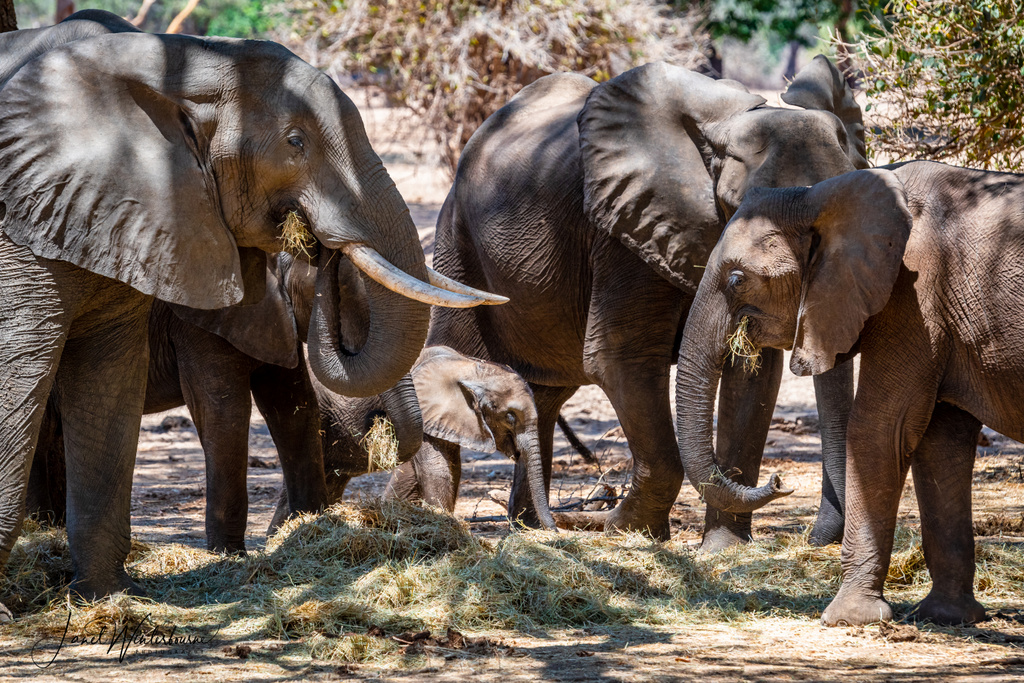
{"x":212,"y":361}
{"x":594,"y":208}
{"x":134,"y":167}
{"x":916,"y":267}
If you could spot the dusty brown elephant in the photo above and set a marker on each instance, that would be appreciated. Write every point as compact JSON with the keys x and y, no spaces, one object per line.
{"x":137,"y":166}
{"x":594,"y":207}
{"x":917,"y":268}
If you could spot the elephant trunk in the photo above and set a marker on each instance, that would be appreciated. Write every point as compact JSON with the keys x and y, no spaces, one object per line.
{"x":701,"y":355}
{"x":528,"y":445}
{"x":403,"y":410}
{"x":395,"y":334}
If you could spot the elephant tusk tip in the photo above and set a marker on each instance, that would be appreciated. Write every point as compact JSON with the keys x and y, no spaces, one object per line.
{"x":496,"y":300}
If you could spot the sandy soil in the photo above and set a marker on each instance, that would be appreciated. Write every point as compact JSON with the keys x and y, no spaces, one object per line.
{"x":168,"y":505}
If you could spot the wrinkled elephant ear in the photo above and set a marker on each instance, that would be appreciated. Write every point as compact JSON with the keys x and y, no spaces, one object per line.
{"x":819,"y":85}
{"x":265,"y":330}
{"x":864,"y":224}
{"x":645,"y":181}
{"x":450,"y":398}
{"x":104,"y":164}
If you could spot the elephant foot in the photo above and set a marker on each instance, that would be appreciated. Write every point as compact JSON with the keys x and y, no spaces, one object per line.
{"x":848,"y":609}
{"x":949,"y":611}
{"x":828,"y":528}
{"x":226,"y":547}
{"x":90,"y":590}
{"x":724,"y":530}
{"x":5,"y":614}
{"x":629,"y":517}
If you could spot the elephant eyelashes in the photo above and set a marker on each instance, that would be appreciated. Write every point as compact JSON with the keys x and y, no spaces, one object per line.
{"x":296,"y":141}
{"x":735,"y":279}
{"x":510,"y":417}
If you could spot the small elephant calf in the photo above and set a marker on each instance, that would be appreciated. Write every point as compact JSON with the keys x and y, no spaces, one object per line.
{"x":464,"y":402}
{"x":918,"y":267}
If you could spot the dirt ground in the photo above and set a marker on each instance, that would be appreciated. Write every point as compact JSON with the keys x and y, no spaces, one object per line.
{"x":168,"y":505}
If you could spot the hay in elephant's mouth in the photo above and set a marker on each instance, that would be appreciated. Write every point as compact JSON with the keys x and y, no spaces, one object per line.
{"x":739,"y":345}
{"x":381,"y":445}
{"x":339,"y":584}
{"x":295,"y":237}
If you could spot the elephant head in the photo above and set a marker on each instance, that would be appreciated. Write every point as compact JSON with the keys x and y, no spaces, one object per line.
{"x":483,"y":406}
{"x":801,"y":269}
{"x":170,"y":163}
{"x":668,"y":155}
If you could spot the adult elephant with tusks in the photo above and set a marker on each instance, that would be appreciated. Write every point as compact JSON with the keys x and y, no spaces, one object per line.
{"x":594,"y":207}
{"x":135,"y":166}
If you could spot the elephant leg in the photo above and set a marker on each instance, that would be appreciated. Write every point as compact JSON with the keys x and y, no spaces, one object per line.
{"x":47,"y":490}
{"x":834,"y":393}
{"x":549,"y":402}
{"x":746,"y":402}
{"x":215,"y":384}
{"x":438,"y":471}
{"x":633,"y":328}
{"x":100,"y":389}
{"x":943,"y":464}
{"x":287,"y":401}
{"x":33,"y":327}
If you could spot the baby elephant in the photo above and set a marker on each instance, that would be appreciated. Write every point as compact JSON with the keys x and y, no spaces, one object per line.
{"x":464,"y":402}
{"x":917,"y":268}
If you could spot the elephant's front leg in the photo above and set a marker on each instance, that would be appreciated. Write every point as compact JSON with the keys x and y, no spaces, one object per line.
{"x":433,"y":475}
{"x":632,"y":325}
{"x":746,"y":402}
{"x":943,"y":464}
{"x":834,"y":393}
{"x":287,"y":401}
{"x":215,"y":383}
{"x":100,"y":389}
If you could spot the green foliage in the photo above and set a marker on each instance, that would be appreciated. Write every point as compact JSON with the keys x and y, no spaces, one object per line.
{"x":455,"y":63}
{"x":232,"y":18}
{"x":947,"y":81}
{"x":781,"y":20}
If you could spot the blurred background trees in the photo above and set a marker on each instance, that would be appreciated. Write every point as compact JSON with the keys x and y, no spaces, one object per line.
{"x":945,"y":80}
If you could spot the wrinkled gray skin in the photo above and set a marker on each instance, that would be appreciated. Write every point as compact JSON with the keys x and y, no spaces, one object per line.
{"x":211,"y":361}
{"x":475,"y":404}
{"x":594,"y":208}
{"x":917,"y":268}
{"x":135,"y":166}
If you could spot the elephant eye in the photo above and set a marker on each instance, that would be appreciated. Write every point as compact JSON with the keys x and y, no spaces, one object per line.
{"x":735,"y":279}
{"x":510,"y":417}
{"x":295,"y":141}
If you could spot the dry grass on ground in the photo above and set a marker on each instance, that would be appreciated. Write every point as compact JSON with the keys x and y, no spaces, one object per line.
{"x":328,"y":580}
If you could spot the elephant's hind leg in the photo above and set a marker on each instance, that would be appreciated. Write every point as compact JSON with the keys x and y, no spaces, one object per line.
{"x":100,"y":390}
{"x":942,"y":466}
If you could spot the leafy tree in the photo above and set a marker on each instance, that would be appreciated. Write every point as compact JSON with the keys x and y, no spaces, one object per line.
{"x":946,"y":80}
{"x":455,"y":63}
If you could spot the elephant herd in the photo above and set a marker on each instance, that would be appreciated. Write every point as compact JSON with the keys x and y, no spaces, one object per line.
{"x":595,"y":233}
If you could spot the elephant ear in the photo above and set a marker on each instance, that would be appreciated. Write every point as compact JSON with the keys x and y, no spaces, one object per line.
{"x":104,"y":164}
{"x":451,"y":397}
{"x":645,"y":180}
{"x":819,"y":85}
{"x":265,"y":330}
{"x":864,"y":223}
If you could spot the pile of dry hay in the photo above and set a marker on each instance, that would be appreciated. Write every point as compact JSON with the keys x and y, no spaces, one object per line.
{"x":398,"y":566}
